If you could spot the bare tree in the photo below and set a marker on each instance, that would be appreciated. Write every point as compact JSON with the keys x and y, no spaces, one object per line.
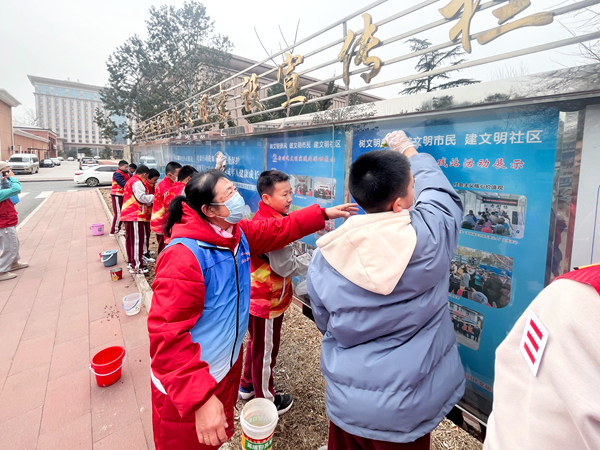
{"x":586,"y":20}
{"x":27,"y":118}
{"x":509,"y":71}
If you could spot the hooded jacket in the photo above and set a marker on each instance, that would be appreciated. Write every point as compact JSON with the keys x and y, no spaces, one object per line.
{"x":378,"y":287}
{"x":202,"y":285}
{"x":559,"y":409}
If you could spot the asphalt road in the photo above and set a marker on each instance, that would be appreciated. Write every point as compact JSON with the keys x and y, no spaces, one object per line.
{"x":66,"y":170}
{"x":35,"y":192}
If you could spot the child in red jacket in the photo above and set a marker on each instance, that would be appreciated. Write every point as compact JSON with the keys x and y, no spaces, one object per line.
{"x":271,"y":295}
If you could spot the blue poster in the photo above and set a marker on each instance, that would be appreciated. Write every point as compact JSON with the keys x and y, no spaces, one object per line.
{"x":205,"y":155}
{"x":245,"y":163}
{"x":315,"y":163}
{"x":183,"y":154}
{"x":502,"y":166}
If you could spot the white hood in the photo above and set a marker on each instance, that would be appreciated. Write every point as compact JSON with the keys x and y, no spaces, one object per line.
{"x":372,"y":250}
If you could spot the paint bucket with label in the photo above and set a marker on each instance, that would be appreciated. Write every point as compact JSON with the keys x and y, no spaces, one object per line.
{"x":116,"y":274}
{"x":258,"y":419}
{"x":97,"y":229}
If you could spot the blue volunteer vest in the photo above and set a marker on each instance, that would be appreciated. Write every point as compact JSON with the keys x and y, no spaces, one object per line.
{"x":221,"y":328}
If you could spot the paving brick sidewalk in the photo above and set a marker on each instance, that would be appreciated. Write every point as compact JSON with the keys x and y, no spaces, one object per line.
{"x":54,"y":317}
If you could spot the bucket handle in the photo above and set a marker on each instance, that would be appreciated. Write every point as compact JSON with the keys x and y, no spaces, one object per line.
{"x":134,"y":305}
{"x":104,"y":260}
{"x":107,"y":374}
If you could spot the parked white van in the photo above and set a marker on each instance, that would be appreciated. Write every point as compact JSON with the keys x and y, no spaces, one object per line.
{"x":148,"y":161}
{"x":24,"y":163}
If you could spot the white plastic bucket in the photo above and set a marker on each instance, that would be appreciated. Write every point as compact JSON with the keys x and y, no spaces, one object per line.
{"x":259,"y":419}
{"x":132,"y":304}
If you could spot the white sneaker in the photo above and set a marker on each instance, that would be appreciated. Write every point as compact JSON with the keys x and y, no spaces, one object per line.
{"x":122,"y":233}
{"x":148,"y":260}
{"x":7,"y":276}
{"x":18,"y":265}
{"x":139,"y":271}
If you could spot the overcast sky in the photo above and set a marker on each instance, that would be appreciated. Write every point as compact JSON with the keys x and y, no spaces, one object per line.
{"x":73,"y":38}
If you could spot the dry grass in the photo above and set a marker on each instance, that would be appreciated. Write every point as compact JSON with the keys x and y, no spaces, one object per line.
{"x":298,"y":372}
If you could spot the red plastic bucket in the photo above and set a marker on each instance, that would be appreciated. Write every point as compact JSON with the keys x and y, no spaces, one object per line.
{"x":107,"y":364}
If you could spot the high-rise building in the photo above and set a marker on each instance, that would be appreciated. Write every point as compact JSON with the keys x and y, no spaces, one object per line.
{"x":68,"y":108}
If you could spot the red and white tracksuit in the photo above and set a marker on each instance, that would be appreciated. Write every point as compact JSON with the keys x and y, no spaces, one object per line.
{"x":271,"y":296}
{"x":119,"y":180}
{"x":136,"y":214}
{"x":160,"y":211}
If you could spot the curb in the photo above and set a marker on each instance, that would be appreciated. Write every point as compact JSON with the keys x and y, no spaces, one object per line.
{"x":140,"y":280}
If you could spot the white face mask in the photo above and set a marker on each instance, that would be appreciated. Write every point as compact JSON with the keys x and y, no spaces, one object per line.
{"x":235,"y":205}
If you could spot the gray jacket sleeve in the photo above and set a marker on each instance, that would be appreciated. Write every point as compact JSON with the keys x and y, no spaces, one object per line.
{"x":139,"y":191}
{"x":285,"y":264}
{"x":437,"y":213}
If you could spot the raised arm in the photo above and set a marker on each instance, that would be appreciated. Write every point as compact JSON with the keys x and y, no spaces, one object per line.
{"x":14,"y":189}
{"x":268,"y":235}
{"x":437,"y":213}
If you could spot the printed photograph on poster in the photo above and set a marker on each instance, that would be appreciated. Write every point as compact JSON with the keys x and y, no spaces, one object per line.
{"x":493,"y":212}
{"x":468,"y":325}
{"x":329,"y":226}
{"x":482,"y":277}
{"x":302,"y":185}
{"x":325,"y":188}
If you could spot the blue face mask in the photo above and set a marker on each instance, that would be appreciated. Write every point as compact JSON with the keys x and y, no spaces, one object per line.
{"x":235,"y":205}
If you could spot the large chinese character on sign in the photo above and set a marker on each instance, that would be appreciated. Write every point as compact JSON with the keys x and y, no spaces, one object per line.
{"x":507,"y":12}
{"x":463,"y":26}
{"x":175,"y":116}
{"x":504,"y":13}
{"x":166,"y":122}
{"x":188,"y":115}
{"x":291,"y":81}
{"x":250,"y":94}
{"x":365,"y":44}
{"x":221,"y":102}
{"x":203,"y":109}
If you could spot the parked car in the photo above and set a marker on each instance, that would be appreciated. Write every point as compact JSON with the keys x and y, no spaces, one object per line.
{"x":60,"y":158}
{"x":148,"y":161}
{"x":96,"y":157}
{"x":47,"y":163}
{"x":56,"y":161}
{"x":86,"y":162}
{"x":95,"y":176}
{"x":70,"y":158}
{"x":24,"y":163}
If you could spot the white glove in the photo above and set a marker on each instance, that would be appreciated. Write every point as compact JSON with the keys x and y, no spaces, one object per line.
{"x":398,"y":141}
{"x":221,"y":162}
